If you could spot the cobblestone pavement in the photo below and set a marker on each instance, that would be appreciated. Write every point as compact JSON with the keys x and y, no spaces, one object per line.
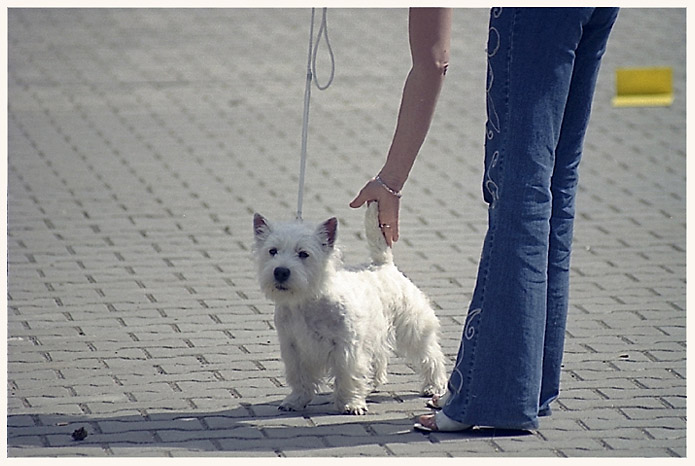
{"x":142,"y":141}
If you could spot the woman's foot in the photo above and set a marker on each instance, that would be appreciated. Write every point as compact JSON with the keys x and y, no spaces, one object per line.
{"x":439,"y":422}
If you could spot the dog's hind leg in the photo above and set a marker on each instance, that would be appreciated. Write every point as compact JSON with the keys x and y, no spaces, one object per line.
{"x":431,"y":365}
{"x":418,"y":340}
{"x":379,"y":368}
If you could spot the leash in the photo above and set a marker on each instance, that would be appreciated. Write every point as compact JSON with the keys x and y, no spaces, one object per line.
{"x":311,"y":76}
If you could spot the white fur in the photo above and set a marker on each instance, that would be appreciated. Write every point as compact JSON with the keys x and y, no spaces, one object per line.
{"x":343,"y":322}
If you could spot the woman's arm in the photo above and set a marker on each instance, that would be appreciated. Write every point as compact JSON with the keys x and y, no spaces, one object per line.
{"x":430,"y":38}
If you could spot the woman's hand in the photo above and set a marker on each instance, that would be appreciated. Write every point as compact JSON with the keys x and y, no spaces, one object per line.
{"x":389,"y":204}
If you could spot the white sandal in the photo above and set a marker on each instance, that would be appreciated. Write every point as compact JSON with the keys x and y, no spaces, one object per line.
{"x":439,"y":422}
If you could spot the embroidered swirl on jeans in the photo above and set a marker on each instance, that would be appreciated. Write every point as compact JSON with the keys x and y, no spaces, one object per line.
{"x":493,"y":120}
{"x":459,"y":386}
{"x":469,"y":330}
{"x":493,"y":117}
{"x":490,"y":185}
{"x":456,"y":380}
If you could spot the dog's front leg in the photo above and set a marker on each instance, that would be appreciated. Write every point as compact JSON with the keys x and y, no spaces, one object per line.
{"x":352,"y":382}
{"x":300,"y":378}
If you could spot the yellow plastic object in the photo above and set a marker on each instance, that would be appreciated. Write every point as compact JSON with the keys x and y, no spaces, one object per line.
{"x":643,"y":87}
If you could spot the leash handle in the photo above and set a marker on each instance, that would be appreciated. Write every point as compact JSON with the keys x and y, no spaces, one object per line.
{"x":323,"y":31}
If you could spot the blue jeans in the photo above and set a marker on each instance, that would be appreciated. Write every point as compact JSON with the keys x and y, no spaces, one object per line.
{"x":542,"y":69}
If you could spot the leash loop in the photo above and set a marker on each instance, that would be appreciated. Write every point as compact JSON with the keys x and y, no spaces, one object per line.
{"x":323,"y":32}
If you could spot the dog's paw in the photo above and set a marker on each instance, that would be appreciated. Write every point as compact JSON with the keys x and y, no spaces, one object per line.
{"x":356,"y":409}
{"x":287,"y":407}
{"x":293,"y":403}
{"x":429,"y":391}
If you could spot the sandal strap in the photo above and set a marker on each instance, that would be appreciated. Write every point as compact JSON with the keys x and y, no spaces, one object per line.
{"x":438,"y":401}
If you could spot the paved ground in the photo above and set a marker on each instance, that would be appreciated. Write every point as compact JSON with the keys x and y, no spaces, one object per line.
{"x":142,"y":141}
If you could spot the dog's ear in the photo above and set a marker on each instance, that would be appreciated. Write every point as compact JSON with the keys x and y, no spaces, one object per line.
{"x":261,"y":229}
{"x":329,"y":231}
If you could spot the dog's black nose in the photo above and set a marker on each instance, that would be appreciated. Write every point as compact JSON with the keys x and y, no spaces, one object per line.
{"x":281,"y":274}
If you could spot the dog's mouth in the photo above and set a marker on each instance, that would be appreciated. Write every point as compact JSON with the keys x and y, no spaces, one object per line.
{"x":281,"y":287}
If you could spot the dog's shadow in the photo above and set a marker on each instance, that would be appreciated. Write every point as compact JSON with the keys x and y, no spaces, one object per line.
{"x":244,"y":429}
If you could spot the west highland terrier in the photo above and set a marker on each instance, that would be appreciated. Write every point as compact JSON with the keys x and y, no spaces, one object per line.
{"x":342,"y":322}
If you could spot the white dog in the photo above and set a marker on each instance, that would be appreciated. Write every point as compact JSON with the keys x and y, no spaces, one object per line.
{"x":343,"y":322}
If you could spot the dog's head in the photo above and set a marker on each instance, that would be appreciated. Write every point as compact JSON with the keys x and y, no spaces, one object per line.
{"x":293,"y":258}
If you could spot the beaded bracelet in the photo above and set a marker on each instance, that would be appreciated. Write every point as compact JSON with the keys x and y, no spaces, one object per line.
{"x":386,"y":187}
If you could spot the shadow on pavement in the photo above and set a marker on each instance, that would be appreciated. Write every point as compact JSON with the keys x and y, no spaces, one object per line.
{"x":248,"y":428}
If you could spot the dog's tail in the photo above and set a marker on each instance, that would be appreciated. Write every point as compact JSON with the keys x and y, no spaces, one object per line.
{"x":379,"y":251}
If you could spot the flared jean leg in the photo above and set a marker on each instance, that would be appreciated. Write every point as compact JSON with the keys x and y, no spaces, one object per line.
{"x":563,"y":187}
{"x":500,"y":366}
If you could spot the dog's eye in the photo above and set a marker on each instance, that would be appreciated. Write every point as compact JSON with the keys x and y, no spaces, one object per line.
{"x":273,"y":251}
{"x":303,"y":254}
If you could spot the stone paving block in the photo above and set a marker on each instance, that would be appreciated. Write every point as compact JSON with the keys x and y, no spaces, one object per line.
{"x":540,"y":453}
{"x":375,"y":451}
{"x":134,"y":438}
{"x":124,"y":450}
{"x":416,"y":450}
{"x":637,"y":452}
{"x":63,"y":452}
{"x":239,"y":433}
{"x":197,"y":447}
{"x":620,"y":444}
{"x":665,"y":433}
{"x":122,"y":425}
{"x":460,"y":448}
{"x":181,"y":452}
{"x":278,"y":446}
